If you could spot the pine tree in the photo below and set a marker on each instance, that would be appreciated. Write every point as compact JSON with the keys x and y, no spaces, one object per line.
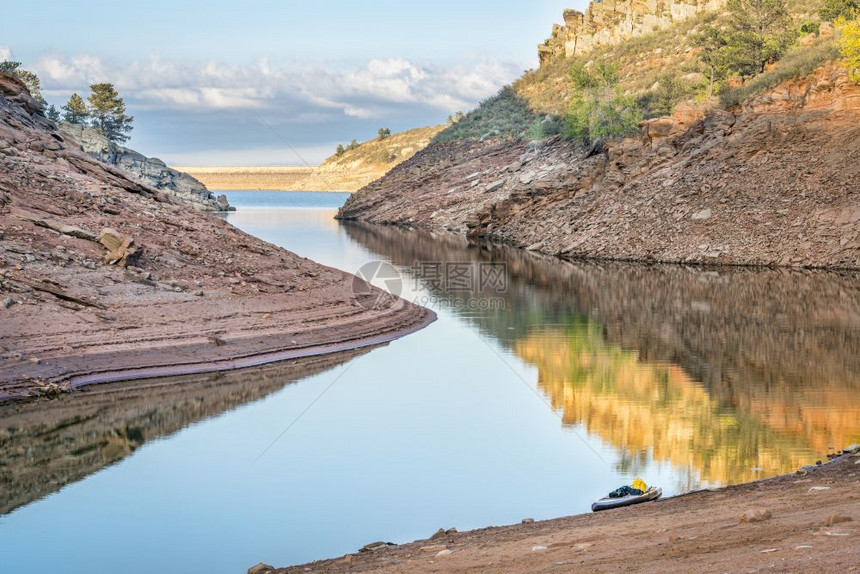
{"x":758,"y":34}
{"x":107,"y":111}
{"x":714,"y":43}
{"x":76,"y":111}
{"x":340,"y":150}
{"x":833,"y":10}
{"x":383,"y":133}
{"x":52,"y":113}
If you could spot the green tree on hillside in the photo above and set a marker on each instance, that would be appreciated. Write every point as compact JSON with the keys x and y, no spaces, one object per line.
{"x":352,"y":145}
{"x":833,"y":10}
{"x":340,"y":150}
{"x":76,"y":111}
{"x":758,"y":33}
{"x":713,"y":43}
{"x":30,"y":79}
{"x":597,"y":110}
{"x":52,"y":113}
{"x":108,"y":113}
{"x":383,"y":133}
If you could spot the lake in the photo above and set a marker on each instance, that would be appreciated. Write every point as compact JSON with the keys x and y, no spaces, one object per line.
{"x":542,"y":386}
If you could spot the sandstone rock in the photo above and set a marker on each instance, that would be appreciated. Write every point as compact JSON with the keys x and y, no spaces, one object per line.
{"x":835,"y":519}
{"x":261,"y":569}
{"x":755,"y":515}
{"x":121,"y":250}
{"x":443,"y":553}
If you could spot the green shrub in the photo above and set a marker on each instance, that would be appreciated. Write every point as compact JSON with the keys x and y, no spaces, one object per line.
{"x":797,"y":63}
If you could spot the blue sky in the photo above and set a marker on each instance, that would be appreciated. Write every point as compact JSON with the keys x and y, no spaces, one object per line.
{"x":198,"y":76}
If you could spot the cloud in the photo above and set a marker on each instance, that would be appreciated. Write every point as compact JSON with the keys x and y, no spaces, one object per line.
{"x":193,"y":110}
{"x":366,"y":92}
{"x":5,"y":53}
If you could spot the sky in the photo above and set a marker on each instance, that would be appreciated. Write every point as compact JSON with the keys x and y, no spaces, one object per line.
{"x":241,"y":83}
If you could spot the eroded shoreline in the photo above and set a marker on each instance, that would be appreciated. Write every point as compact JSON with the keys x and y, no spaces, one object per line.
{"x":804,"y":522}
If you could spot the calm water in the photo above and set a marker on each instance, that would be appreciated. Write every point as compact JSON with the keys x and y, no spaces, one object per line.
{"x":533,"y":394}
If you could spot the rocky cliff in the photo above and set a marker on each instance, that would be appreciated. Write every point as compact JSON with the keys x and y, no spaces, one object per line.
{"x":148,"y":171}
{"x":610,"y":22}
{"x":776,"y":182}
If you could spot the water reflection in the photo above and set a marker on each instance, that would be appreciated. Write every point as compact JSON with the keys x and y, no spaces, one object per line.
{"x":733,"y":374}
{"x":45,"y":445}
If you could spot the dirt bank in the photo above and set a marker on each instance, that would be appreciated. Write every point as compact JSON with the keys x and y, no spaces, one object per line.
{"x":102,"y":278}
{"x":774,"y":183}
{"x":813,"y":527}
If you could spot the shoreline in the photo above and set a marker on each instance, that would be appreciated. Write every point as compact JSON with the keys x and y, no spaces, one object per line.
{"x":801,"y":522}
{"x":247,"y":354}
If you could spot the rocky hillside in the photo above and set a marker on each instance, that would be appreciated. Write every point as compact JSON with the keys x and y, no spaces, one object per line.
{"x":773,"y":180}
{"x":149,"y":171}
{"x":103,"y":278}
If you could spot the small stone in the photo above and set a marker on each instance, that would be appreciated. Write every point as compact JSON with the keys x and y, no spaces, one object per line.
{"x":445,"y":552}
{"x":835,"y":519}
{"x":8,"y":302}
{"x":495,"y":186}
{"x":769,"y":550}
{"x":528,"y":520}
{"x":198,"y":293}
{"x":538,"y":548}
{"x":755,"y":515}
{"x":38,"y":361}
{"x":261,"y":569}
{"x":217,"y":341}
{"x":703,"y":215}
{"x":817,"y":489}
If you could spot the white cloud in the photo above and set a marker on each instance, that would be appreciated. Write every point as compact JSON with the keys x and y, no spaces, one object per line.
{"x":5,"y":53}
{"x":367,"y":92}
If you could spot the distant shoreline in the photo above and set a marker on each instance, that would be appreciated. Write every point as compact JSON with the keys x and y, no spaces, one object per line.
{"x":253,"y":178}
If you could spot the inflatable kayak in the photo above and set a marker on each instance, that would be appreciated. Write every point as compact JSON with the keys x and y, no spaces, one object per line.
{"x":652,"y":493}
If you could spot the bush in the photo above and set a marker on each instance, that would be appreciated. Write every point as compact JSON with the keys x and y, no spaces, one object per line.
{"x":797,"y":63}
{"x":598,"y":111}
{"x":849,"y":47}
{"x":833,"y":10}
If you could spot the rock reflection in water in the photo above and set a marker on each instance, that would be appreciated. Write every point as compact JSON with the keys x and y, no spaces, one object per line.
{"x":45,"y":445}
{"x":731,"y":373}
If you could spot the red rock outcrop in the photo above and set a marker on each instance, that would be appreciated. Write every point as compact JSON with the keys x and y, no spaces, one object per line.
{"x":776,"y":182}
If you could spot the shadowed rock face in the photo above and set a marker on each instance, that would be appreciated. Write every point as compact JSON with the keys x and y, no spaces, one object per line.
{"x":45,"y":445}
{"x":148,"y":171}
{"x":698,"y":366}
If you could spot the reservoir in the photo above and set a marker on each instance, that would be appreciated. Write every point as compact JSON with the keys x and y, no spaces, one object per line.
{"x":542,"y":386}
